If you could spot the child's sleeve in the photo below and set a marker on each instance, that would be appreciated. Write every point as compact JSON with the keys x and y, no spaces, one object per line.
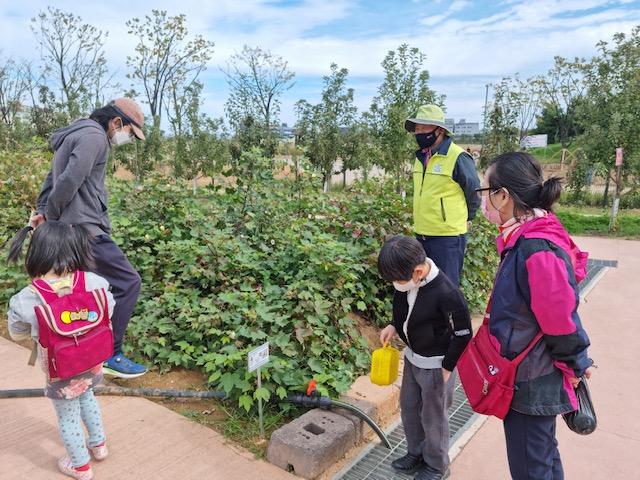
{"x":454,"y":306}
{"x":21,"y":317}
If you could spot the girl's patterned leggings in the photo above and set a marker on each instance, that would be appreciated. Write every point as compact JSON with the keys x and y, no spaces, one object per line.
{"x":69,"y":413}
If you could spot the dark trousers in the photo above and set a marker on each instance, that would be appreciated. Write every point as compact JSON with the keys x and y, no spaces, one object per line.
{"x":112,"y":264}
{"x":532,"y":447}
{"x":424,"y":403}
{"x":447,"y":253}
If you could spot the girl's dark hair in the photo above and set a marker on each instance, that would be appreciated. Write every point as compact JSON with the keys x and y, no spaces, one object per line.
{"x":104,"y":115}
{"x":54,"y":245}
{"x":521,"y":174}
{"x":399,"y":257}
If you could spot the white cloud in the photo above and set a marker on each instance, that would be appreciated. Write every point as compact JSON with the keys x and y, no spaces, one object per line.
{"x":456,"y":6}
{"x":462,"y":54}
{"x":434,"y":20}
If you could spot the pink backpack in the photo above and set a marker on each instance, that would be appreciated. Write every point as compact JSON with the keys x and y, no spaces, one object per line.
{"x":75,"y":329}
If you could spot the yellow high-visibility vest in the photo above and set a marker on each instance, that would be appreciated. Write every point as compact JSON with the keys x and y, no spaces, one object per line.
{"x":439,"y":204}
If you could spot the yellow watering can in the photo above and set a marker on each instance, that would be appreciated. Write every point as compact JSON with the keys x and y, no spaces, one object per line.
{"x":384,"y":365}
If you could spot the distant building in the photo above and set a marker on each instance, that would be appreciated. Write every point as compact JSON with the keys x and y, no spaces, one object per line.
{"x":464,"y":128}
{"x":450,"y":123}
{"x":286,"y":131}
{"x":23,"y":113}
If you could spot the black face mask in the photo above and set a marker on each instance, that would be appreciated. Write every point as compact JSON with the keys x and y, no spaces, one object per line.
{"x":425,"y":140}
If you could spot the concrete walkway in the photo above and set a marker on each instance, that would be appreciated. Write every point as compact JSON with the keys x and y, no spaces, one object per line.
{"x":150,"y":441}
{"x":147,"y":441}
{"x":611,"y":317}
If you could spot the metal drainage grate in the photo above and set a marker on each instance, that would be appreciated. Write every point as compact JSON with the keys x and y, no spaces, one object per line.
{"x":375,"y":464}
{"x":594,"y":267}
{"x":375,"y":461}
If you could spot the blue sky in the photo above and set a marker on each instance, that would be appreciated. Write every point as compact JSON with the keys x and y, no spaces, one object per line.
{"x":468,"y":43}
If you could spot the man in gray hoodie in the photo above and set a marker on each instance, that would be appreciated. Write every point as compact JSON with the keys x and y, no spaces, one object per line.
{"x":74,"y":192}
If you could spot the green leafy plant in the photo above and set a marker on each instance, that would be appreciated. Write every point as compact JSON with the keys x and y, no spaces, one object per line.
{"x":264,"y":259}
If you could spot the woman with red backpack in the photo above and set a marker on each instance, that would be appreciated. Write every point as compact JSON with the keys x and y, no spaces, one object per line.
{"x":531,"y":320}
{"x":67,"y":311}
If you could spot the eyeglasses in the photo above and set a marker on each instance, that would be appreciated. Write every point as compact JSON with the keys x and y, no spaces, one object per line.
{"x":483,"y":192}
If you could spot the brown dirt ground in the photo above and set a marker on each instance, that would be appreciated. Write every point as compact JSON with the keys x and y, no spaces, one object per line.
{"x":370,"y":332}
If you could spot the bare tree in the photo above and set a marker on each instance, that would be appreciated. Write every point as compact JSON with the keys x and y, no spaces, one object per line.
{"x":74,"y":52}
{"x":164,"y":56}
{"x":320,"y":126}
{"x":13,"y":87}
{"x":257,"y":78}
{"x":44,"y":111}
{"x":501,"y":123}
{"x":198,"y":147}
{"x":520,"y":101}
{"x":562,"y":87}
{"x":405,"y":87}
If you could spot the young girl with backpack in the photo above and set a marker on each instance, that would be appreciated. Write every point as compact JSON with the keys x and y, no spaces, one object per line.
{"x":67,"y":311}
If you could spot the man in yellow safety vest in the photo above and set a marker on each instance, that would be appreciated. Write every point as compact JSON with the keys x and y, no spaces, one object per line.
{"x":444,"y":196}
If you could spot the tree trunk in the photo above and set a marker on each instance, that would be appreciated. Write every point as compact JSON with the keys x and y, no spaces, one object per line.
{"x":399,"y":180}
{"x":137,"y":164}
{"x":156,"y":138}
{"x":605,"y":197}
{"x":195,"y":185}
{"x":563,"y":136}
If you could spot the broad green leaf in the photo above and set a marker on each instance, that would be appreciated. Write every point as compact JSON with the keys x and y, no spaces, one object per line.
{"x":246,"y":402}
{"x":262,"y":393}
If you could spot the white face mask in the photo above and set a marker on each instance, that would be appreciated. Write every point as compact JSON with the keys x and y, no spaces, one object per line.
{"x":410,"y":285}
{"x":121,"y":137}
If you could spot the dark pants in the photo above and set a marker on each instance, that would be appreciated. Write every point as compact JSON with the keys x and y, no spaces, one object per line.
{"x":424,"y":403}
{"x":447,"y":253}
{"x":112,"y":264}
{"x":532,"y":447}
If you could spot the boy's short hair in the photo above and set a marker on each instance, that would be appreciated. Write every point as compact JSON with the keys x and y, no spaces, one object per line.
{"x":398,"y":258}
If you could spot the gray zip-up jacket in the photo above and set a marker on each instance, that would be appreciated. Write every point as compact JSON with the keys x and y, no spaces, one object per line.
{"x":74,"y":191}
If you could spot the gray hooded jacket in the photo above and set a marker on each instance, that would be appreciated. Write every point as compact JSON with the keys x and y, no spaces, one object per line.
{"x":74,"y":190}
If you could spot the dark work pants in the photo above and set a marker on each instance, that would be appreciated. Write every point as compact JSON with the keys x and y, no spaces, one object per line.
{"x":447,"y":253}
{"x":112,"y":264}
{"x":532,"y":447}
{"x":424,"y":404}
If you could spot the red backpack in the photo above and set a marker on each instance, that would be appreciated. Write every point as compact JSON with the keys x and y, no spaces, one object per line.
{"x":75,"y":329}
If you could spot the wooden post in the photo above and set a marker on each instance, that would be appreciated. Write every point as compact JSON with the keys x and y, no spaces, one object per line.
{"x":260,"y":418}
{"x":616,"y":200}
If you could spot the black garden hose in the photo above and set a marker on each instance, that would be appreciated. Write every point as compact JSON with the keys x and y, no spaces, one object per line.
{"x":129,"y":392}
{"x":310,"y":401}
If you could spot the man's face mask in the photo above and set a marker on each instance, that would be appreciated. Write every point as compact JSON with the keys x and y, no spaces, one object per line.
{"x":426,"y":140}
{"x":120,"y":137}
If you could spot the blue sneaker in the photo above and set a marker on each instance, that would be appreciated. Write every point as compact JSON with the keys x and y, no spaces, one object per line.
{"x":120,"y":366}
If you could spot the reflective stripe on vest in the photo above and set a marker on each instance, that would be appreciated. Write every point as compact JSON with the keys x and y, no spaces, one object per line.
{"x":439,"y":204}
